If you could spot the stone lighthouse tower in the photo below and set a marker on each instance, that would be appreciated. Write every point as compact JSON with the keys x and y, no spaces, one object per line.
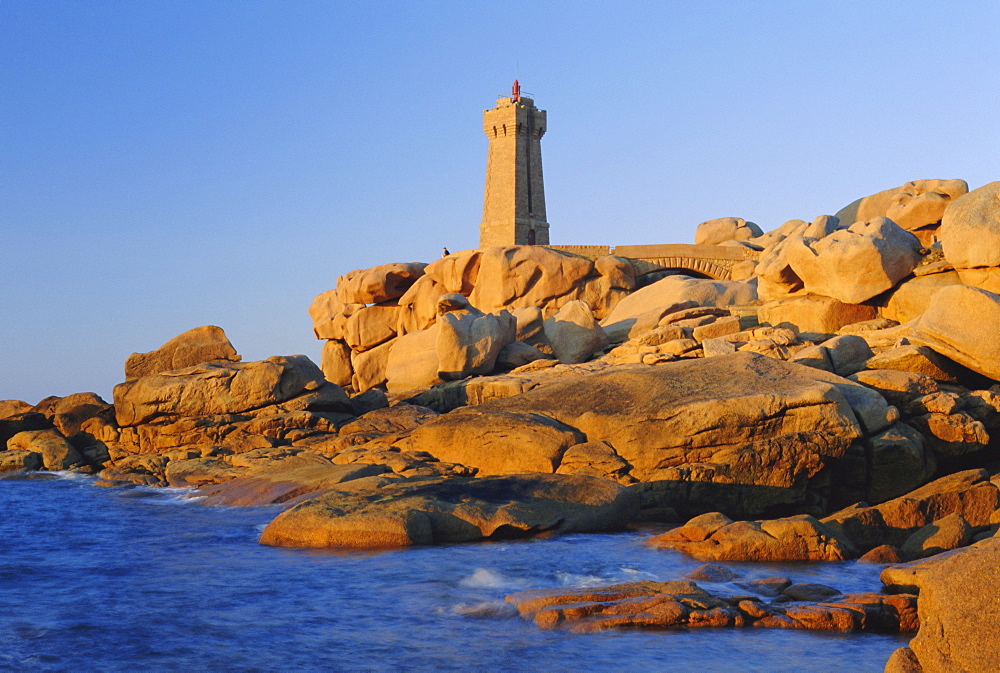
{"x":514,"y":203}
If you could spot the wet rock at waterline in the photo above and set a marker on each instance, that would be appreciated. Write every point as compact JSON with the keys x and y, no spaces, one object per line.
{"x":384,"y":513}
{"x":797,"y":538}
{"x":676,"y":605}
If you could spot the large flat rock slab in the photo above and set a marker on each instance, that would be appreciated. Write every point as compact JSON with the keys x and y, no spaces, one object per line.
{"x":285,"y":483}
{"x":752,"y":426}
{"x":727,"y":410}
{"x":386,"y":514}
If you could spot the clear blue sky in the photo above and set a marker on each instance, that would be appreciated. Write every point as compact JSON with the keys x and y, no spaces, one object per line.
{"x":165,"y":165}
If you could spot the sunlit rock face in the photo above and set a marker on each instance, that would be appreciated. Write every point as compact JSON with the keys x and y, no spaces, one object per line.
{"x":970,"y":237}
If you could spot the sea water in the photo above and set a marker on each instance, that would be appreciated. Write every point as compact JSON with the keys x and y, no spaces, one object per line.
{"x":141,"y":579}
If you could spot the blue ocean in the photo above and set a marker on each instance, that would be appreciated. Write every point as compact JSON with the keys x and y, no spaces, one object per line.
{"x":141,"y":579}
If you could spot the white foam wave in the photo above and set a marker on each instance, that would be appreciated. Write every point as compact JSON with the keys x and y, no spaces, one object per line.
{"x":484,"y":578}
{"x":485,"y":609}
{"x":576,"y":580}
{"x":169,"y":495}
{"x":632,"y":573}
{"x":177,"y":496}
{"x":72,"y":475}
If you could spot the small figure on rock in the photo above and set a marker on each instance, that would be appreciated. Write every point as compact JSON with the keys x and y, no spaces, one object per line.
{"x":445,"y":252}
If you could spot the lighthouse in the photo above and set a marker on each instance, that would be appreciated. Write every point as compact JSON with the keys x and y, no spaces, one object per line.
{"x":514,"y":200}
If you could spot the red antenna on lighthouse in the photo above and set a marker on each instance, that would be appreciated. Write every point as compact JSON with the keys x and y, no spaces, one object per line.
{"x":515,"y":91}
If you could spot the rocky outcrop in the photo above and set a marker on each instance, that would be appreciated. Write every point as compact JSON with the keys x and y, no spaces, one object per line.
{"x":574,"y":334}
{"x":950,"y":425}
{"x":385,"y":513}
{"x":19,"y":460}
{"x":970,"y":237}
{"x":595,"y":459}
{"x":900,"y":461}
{"x":224,"y":388}
{"x":55,"y":452}
{"x":723,"y":229}
{"x":335,"y":363}
{"x":878,"y":253}
{"x":369,"y":367}
{"x":10,"y":408}
{"x":456,"y":273}
{"x":399,"y":419}
{"x":286,"y":481}
{"x":918,"y":360}
{"x":843,"y":355}
{"x":676,"y":605}
{"x":743,"y":430}
{"x":824,"y":225}
{"x":201,"y":344}
{"x":917,"y":206}
{"x":970,"y":494}
{"x":364,"y":330}
{"x":477,"y":390}
{"x":58,"y":433}
{"x":413,"y":362}
{"x":813,"y":313}
{"x":892,"y":454}
{"x":371,"y":310}
{"x":947,"y":533}
{"x":329,"y":315}
{"x":261,"y":451}
{"x":496,"y":442}
{"x":956,"y":325}
{"x":518,"y":354}
{"x":948,"y":430}
{"x":517,"y":277}
{"x":638,"y":317}
{"x":957,"y":607}
{"x":898,"y":387}
{"x":463,"y":342}
{"x":684,"y":332}
{"x":378,"y":284}
{"x":648,"y":305}
{"x":222,"y":421}
{"x":713,"y":537}
{"x":504,"y":425}
{"x":536,"y":276}
{"x":908,"y":300}
{"x":774,"y":342}
{"x":360,"y":318}
{"x":468,"y":340}
{"x":418,"y":307}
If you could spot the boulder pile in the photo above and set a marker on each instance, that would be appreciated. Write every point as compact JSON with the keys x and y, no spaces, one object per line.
{"x":439,"y":314}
